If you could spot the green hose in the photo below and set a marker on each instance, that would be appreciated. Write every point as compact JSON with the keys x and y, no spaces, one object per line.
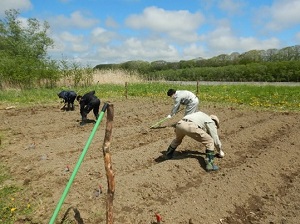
{"x":61,"y":201}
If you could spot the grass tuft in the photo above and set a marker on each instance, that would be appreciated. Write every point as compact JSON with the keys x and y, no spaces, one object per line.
{"x":12,"y":206}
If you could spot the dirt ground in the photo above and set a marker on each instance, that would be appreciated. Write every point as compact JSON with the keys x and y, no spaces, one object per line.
{"x":258,"y":180}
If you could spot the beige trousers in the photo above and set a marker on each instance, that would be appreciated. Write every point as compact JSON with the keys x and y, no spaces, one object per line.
{"x":190,"y":129}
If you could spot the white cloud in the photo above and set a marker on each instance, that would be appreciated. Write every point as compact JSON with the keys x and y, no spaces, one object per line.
{"x":193,"y":51}
{"x":282,"y":14}
{"x":135,"y":49}
{"x":150,"y":48}
{"x":251,"y":43}
{"x":110,"y":22}
{"x":297,"y":36}
{"x":67,"y":42}
{"x":98,"y":31}
{"x":68,"y":37}
{"x":102,"y":36}
{"x":76,"y":20}
{"x":222,"y":41}
{"x":221,"y":38}
{"x":177,"y":24}
{"x":21,"y":5}
{"x":232,"y":6}
{"x":80,"y":47}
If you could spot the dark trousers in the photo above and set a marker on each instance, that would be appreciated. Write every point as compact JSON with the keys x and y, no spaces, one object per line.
{"x":70,"y":102}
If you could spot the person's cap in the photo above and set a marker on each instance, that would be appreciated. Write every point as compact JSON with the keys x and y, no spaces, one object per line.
{"x":171,"y":92}
{"x":215,"y":119}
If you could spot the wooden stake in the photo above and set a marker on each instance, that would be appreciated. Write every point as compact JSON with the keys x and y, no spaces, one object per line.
{"x":126,"y":90}
{"x":108,"y":165}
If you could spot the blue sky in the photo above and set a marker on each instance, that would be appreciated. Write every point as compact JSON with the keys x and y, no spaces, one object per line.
{"x":94,"y":32}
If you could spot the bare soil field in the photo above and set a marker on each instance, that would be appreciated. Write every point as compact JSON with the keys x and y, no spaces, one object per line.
{"x":258,"y":180}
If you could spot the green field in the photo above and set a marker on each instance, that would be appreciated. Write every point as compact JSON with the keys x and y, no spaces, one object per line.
{"x":279,"y":98}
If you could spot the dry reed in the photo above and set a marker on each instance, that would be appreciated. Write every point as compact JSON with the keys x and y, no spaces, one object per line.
{"x":115,"y":77}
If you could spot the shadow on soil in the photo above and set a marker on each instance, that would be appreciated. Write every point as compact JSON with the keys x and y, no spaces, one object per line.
{"x":184,"y":155}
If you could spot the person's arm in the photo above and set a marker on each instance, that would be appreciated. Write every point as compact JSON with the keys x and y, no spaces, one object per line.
{"x":175,"y":107}
{"x":61,"y":95}
{"x":81,"y":104}
{"x":212,"y":131}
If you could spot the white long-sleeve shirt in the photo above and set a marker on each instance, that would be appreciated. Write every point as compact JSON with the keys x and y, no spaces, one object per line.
{"x":183,"y":97}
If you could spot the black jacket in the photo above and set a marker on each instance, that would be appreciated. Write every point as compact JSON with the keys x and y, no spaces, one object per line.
{"x":67,"y":96}
{"x":88,"y":99}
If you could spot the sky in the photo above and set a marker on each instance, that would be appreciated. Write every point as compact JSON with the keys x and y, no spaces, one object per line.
{"x":93,"y":32}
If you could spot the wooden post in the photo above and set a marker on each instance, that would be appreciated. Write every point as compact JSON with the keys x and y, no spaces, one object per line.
{"x":108,"y":165}
{"x":126,"y":89}
{"x":197,"y":92}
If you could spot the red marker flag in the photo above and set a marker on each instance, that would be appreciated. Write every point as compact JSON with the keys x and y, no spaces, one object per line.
{"x":158,"y":218}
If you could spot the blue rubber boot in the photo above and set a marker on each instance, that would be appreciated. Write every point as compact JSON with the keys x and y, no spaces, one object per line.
{"x":209,"y":160}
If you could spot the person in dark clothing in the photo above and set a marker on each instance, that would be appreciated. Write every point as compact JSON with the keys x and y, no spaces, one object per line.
{"x":68,"y":99}
{"x":87,"y":103}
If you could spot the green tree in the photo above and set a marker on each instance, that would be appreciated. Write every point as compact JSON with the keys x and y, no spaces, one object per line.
{"x":23,"y":50}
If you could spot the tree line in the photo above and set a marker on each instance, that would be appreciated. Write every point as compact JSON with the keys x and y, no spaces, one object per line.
{"x":273,"y":65}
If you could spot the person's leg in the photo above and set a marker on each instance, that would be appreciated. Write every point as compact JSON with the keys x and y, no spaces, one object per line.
{"x":69,"y":106}
{"x":180,"y":132}
{"x":96,"y":105}
{"x":85,"y":111}
{"x":209,"y":160}
{"x":72,"y":99}
{"x":84,"y":114}
{"x":201,"y":136}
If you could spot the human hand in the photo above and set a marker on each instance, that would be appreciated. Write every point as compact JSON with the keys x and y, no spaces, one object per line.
{"x":169,"y":116}
{"x":220,"y":154}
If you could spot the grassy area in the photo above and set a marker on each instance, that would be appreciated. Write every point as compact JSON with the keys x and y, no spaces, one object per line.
{"x":283,"y":98}
{"x":279,"y":98}
{"x":10,"y":205}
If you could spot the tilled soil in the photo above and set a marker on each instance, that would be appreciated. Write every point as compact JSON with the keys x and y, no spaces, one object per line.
{"x":258,"y":180}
